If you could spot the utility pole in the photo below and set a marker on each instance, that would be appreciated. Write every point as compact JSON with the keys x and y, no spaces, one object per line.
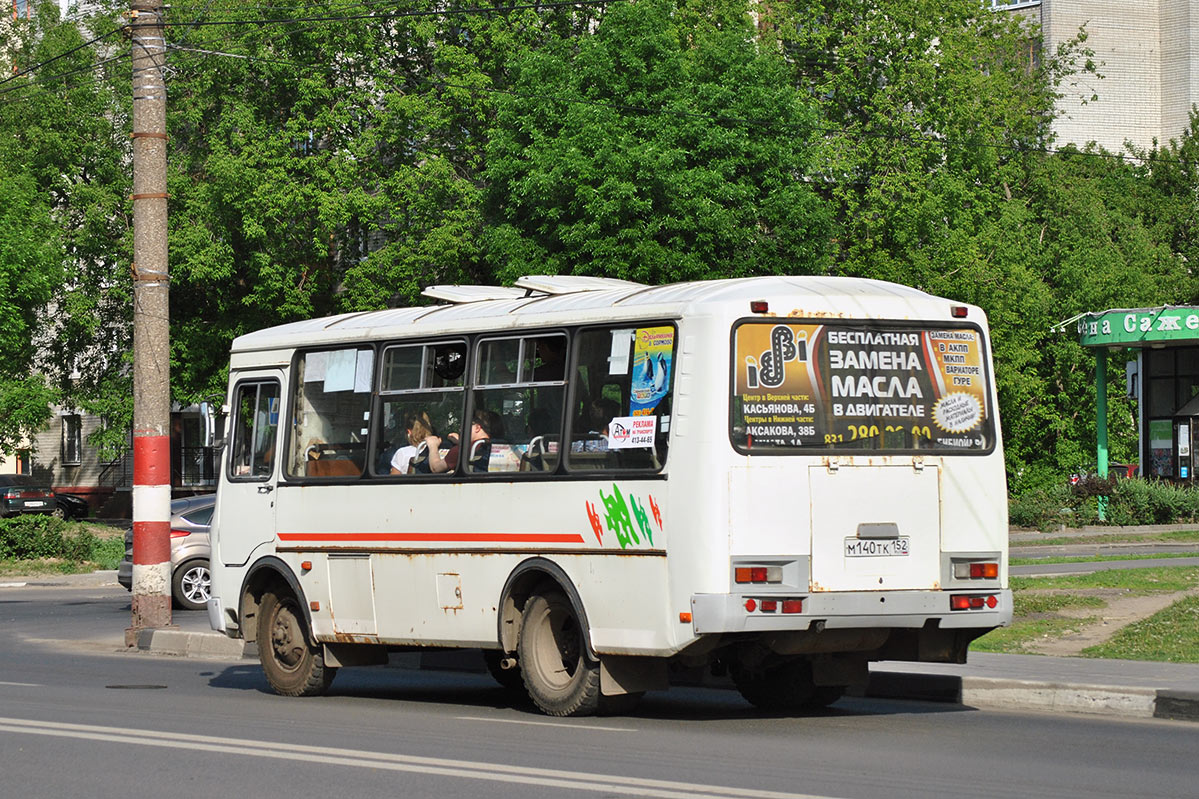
{"x":151,"y":328}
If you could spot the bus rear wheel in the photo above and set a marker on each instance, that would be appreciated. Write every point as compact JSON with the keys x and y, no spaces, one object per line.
{"x":293,"y":665}
{"x":558,"y":675}
{"x":785,"y":687}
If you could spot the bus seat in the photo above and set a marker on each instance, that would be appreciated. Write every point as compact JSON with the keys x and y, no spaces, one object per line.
{"x":333,"y":467}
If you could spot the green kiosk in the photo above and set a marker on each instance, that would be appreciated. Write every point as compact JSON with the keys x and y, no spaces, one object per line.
{"x":1164,"y":379}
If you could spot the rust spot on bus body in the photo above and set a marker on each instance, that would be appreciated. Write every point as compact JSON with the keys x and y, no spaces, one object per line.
{"x":354,"y":638}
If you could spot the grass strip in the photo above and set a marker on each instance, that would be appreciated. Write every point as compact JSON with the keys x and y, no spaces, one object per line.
{"x":1099,"y":558}
{"x":1148,"y":580}
{"x":1170,"y":635}
{"x":1180,"y":536}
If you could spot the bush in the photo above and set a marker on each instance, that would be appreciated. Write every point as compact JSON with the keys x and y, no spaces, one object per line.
{"x":1043,"y":508}
{"x":30,"y":537}
{"x":1130,"y":501}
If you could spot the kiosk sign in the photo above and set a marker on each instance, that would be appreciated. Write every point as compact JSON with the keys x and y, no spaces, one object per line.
{"x":859,"y":386}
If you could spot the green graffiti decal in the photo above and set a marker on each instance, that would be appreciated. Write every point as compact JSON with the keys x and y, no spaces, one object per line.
{"x":620,"y":519}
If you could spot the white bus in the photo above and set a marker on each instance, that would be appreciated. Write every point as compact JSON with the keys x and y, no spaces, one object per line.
{"x":780,"y":479}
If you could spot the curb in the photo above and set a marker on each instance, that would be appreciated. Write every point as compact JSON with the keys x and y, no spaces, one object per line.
{"x":991,"y":692}
{"x":164,"y":641}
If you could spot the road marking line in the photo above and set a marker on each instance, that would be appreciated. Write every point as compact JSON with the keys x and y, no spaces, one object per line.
{"x":13,"y":585}
{"x":23,"y":684}
{"x":547,"y":724}
{"x":462,"y":769}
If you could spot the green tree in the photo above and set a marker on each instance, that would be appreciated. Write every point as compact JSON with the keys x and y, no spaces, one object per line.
{"x":667,"y":145}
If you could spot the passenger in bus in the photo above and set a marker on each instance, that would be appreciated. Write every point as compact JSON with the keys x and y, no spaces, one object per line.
{"x":483,"y":425}
{"x":418,"y":429}
{"x":600,"y":413}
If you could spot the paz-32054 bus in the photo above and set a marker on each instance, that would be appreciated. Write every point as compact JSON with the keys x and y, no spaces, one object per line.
{"x":601,"y":484}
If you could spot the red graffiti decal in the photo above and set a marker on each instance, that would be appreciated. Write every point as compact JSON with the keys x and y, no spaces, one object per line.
{"x":657,"y":513}
{"x":595,"y":523}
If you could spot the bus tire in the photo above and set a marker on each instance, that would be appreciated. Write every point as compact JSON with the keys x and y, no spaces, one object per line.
{"x":294,"y":666}
{"x":558,"y":675}
{"x":784,"y":687}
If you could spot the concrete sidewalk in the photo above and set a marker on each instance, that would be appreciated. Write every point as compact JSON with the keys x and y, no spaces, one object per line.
{"x":1136,"y":689}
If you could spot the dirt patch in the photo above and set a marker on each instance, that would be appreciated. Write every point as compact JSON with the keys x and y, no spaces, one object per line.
{"x":1122,"y":609}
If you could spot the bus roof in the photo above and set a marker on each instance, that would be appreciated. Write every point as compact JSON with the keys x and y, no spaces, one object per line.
{"x":595,"y":302}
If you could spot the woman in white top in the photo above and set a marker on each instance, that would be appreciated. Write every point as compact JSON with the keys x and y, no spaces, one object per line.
{"x":419,"y":428}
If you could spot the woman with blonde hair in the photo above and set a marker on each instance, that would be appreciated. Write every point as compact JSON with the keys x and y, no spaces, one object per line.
{"x":419,"y":427}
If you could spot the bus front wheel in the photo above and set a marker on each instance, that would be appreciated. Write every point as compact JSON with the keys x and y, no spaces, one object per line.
{"x":560,"y":678}
{"x":293,"y":665}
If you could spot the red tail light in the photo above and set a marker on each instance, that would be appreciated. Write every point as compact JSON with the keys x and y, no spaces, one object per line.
{"x":964,"y":602}
{"x":792,"y":606}
{"x":770,"y":605}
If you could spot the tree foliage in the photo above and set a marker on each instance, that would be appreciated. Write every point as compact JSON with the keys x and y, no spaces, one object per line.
{"x":336,"y":156}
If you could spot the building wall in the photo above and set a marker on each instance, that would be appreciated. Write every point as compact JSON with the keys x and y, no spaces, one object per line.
{"x":1147,"y":52}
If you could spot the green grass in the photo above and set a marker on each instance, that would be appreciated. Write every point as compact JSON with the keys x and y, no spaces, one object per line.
{"x":1097,"y":558}
{"x":1183,"y":536}
{"x":1150,"y":580}
{"x":1028,"y":604}
{"x":1016,"y":639}
{"x":1171,"y":635}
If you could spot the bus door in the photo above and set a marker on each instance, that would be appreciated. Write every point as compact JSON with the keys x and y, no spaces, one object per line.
{"x":247,"y":493}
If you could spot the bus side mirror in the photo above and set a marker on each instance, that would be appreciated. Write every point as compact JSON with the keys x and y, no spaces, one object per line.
{"x":208,"y":418}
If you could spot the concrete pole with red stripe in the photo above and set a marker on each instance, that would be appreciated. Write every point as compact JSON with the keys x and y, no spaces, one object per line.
{"x":151,"y":330}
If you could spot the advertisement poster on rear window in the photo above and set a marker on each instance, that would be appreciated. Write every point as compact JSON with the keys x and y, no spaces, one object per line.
{"x":845,"y":386}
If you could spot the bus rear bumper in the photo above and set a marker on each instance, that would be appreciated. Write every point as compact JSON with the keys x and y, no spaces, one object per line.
{"x":735,"y":613}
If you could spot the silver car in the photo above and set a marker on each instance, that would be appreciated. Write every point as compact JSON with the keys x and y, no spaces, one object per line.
{"x":191,"y":518}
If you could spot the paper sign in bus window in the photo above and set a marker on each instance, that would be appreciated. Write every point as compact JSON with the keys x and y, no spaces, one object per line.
{"x":631,"y":432}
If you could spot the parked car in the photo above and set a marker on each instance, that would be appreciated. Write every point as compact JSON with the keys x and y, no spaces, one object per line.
{"x":191,"y":518}
{"x":20,"y":493}
{"x":71,"y":506}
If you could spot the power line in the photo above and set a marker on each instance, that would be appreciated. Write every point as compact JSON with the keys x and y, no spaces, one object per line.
{"x":75,"y":49}
{"x":398,"y":14}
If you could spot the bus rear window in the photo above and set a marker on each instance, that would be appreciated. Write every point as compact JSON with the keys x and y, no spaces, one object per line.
{"x":859,"y":386}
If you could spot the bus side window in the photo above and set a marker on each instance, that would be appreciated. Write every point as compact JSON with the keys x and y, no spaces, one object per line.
{"x":255,"y":429}
{"x":522,"y":380}
{"x":623,"y":384}
{"x":331,"y":413}
{"x":420,"y":395}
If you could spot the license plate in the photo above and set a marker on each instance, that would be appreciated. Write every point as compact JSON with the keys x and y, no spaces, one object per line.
{"x":34,"y":503}
{"x":876,"y":547}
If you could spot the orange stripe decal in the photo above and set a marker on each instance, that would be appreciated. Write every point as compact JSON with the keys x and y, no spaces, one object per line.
{"x":481,"y":538}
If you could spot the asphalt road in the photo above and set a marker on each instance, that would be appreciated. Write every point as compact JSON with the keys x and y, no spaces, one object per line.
{"x":87,"y":721}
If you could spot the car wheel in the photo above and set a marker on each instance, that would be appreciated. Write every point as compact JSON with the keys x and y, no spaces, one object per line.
{"x":192,"y":585}
{"x":60,"y":513}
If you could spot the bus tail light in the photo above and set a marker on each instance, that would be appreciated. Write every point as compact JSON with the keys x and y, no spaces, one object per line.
{"x":792,"y":606}
{"x":965,"y":602}
{"x":759,"y":306}
{"x":959,"y":311}
{"x":758,"y":574}
{"x":770,"y":605}
{"x":976,"y":571}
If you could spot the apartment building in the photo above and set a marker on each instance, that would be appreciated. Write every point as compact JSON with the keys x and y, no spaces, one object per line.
{"x":1147,"y":52}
